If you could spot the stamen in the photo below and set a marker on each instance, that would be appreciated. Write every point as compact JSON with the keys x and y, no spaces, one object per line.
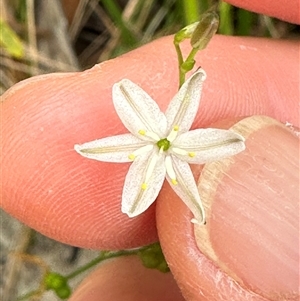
{"x":151,"y":168}
{"x":173,"y":134}
{"x":142,"y":150}
{"x":170,"y":170}
{"x":183,"y":152}
{"x":151,"y":135}
{"x":131,"y":157}
{"x":179,"y":151}
{"x":144,"y":186}
{"x":174,"y":181}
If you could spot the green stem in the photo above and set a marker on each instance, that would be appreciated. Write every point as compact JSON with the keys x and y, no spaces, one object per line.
{"x":103,"y":256}
{"x":180,"y":62}
{"x":28,"y":295}
{"x":182,"y":70}
{"x":192,"y":54}
{"x":106,"y":255}
{"x":181,"y":78}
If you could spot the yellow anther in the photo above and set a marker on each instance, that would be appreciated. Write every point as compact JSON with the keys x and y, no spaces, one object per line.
{"x":192,"y":154}
{"x":174,"y":182}
{"x":142,"y":132}
{"x":131,"y":157}
{"x":173,"y":134}
{"x":144,"y":186}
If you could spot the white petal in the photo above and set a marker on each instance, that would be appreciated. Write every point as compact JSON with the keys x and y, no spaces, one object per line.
{"x":206,"y":145}
{"x":111,"y":149}
{"x":187,"y":190}
{"x":183,"y":108}
{"x":139,"y":193}
{"x":137,"y":110}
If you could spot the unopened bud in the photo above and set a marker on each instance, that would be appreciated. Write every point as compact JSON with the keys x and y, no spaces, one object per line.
{"x":185,"y":33}
{"x":187,"y":65}
{"x":205,"y":30}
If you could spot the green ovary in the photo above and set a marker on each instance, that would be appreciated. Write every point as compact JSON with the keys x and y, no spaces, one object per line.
{"x":164,"y":144}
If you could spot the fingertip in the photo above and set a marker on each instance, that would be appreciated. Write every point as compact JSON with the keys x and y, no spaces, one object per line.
{"x":46,"y":184}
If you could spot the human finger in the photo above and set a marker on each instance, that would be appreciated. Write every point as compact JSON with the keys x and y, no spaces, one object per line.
{"x":248,"y":250}
{"x":48,"y":186}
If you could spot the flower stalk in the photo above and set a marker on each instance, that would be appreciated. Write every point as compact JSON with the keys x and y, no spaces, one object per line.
{"x":199,"y":33}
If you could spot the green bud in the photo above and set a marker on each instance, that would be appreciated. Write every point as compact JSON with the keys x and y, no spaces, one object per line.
{"x":205,"y":30}
{"x":185,"y":33}
{"x":54,"y":281}
{"x":149,"y":259}
{"x":187,"y":65}
{"x":163,"y":267}
{"x":153,"y":258}
{"x":63,"y":292}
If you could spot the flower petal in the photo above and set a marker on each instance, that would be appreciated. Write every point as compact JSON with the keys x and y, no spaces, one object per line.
{"x":143,"y":183}
{"x":206,"y":145}
{"x":111,"y":149}
{"x":186,"y":189}
{"x":137,"y":110}
{"x":183,"y":108}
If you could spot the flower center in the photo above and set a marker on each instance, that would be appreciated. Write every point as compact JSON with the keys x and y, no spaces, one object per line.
{"x":163,"y":144}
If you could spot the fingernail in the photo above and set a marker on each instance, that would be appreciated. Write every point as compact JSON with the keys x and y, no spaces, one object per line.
{"x":252,"y":205}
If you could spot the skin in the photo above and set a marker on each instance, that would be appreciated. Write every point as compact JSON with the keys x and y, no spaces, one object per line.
{"x":77,"y":201}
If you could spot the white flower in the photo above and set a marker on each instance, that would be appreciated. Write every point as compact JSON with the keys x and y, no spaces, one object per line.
{"x":161,"y":145}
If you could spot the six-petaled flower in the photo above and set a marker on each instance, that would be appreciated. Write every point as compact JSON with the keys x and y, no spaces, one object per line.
{"x":161,"y":145}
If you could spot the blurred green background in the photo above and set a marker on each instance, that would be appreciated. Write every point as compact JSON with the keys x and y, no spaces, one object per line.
{"x":38,"y":37}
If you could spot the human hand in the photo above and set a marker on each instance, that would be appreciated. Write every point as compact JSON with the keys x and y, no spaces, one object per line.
{"x":77,"y":201}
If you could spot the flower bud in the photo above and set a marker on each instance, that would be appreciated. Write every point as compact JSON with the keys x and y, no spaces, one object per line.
{"x":63,"y":292}
{"x":205,"y":30}
{"x":185,"y":33}
{"x":54,"y":281}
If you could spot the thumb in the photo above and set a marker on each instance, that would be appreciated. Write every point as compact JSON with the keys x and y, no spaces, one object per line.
{"x":248,"y":250}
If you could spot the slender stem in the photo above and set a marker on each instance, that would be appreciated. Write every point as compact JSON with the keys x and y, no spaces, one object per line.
{"x":103,"y":256}
{"x":181,"y":77}
{"x":182,"y":71}
{"x":180,"y":62}
{"x":106,"y":255}
{"x":192,"y":54}
{"x":179,"y":54}
{"x":29,"y":295}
